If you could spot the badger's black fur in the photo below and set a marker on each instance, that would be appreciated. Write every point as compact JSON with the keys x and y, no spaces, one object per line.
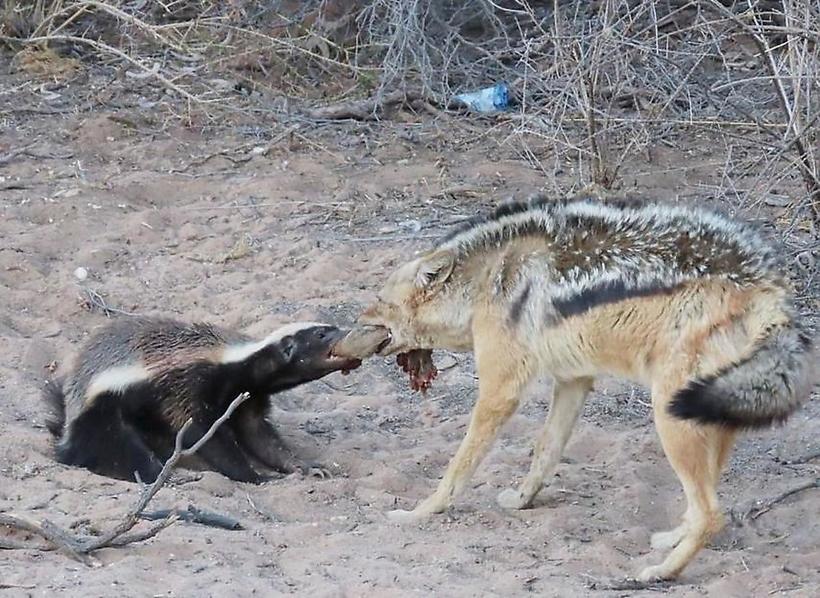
{"x":138,"y":380}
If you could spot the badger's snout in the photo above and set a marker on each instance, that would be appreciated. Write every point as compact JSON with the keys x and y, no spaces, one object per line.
{"x":328,"y":337}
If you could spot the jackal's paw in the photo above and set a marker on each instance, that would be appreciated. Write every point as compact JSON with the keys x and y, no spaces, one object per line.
{"x":403,"y":517}
{"x":652,"y":574}
{"x":511,"y":499}
{"x":666,"y":540}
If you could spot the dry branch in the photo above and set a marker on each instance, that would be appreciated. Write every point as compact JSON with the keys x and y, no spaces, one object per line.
{"x":79,"y":8}
{"x":789,"y":104}
{"x":10,"y":155}
{"x":58,"y":538}
{"x":105,"y":48}
{"x":630,"y":585}
{"x":367,"y":109}
{"x":148,"y":492}
{"x":91,"y":300}
{"x":804,"y":459}
{"x":80,"y":549}
{"x":767,"y":505}
{"x":195,"y":515}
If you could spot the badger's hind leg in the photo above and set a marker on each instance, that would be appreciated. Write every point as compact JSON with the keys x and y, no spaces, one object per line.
{"x":101,"y":440}
{"x":261,"y":439}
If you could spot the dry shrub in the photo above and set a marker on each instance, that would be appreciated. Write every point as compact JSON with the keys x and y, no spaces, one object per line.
{"x":20,"y":18}
{"x":594,"y":84}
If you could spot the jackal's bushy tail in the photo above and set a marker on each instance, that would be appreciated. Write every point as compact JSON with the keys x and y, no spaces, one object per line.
{"x":764,"y":388}
{"x":54,"y":397}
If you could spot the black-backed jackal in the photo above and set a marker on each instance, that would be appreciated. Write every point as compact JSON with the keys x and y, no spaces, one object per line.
{"x":687,"y":302}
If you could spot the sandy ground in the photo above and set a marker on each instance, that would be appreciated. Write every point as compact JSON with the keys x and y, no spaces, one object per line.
{"x":284,"y":227}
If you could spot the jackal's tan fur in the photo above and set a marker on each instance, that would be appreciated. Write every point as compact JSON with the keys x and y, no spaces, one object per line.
{"x":687,"y":302}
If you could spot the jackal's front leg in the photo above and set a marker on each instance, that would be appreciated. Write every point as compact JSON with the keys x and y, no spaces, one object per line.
{"x":568,"y":397}
{"x":503,"y":370}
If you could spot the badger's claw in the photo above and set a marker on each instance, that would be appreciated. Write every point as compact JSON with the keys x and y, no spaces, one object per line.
{"x":315,"y":470}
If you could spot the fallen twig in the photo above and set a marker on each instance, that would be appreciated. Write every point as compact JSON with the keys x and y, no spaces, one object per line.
{"x":225,"y":153}
{"x":59,"y":538}
{"x":142,"y":535}
{"x":367,"y":109}
{"x":10,"y":155}
{"x":92,"y":300}
{"x":80,"y":549}
{"x":195,"y":515}
{"x":621,"y":585}
{"x":458,"y":191}
{"x":11,"y":544}
{"x":105,"y":48}
{"x":149,"y":491}
{"x":756,"y":512}
{"x":804,"y":459}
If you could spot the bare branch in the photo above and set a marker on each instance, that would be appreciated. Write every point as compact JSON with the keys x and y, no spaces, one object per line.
{"x":148,"y":492}
{"x":81,"y":548}
{"x":367,"y":109}
{"x":768,"y":504}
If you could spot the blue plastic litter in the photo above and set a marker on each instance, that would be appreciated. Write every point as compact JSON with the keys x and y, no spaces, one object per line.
{"x":489,"y":99}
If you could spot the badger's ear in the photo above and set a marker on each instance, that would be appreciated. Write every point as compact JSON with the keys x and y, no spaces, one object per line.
{"x":435,"y":269}
{"x":288,"y":347}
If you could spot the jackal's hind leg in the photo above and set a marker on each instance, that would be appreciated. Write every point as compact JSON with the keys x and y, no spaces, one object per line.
{"x":568,"y":399}
{"x":670,"y":539}
{"x":697,"y":454}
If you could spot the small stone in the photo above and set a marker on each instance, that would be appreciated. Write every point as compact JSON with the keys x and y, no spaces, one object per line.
{"x":80,"y":273}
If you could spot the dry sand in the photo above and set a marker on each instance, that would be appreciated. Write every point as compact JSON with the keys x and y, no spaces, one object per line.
{"x":308,"y":228}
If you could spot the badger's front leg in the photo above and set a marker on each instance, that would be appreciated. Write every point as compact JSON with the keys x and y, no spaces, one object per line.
{"x":260,"y":438}
{"x":223,"y":453}
{"x":503,"y":370}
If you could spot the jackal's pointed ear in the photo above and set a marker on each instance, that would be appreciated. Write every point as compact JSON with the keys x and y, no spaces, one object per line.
{"x":435,"y":269}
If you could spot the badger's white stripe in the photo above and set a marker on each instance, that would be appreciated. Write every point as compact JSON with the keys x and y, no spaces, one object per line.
{"x":116,"y":379}
{"x":237,"y":353}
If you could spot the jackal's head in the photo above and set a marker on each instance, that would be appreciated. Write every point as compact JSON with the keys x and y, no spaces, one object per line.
{"x":425,"y":305}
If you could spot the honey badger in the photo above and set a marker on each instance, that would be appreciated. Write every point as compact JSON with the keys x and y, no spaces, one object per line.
{"x":137,"y":381}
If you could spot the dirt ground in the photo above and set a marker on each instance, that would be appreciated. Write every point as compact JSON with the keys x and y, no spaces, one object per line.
{"x":259,"y":225}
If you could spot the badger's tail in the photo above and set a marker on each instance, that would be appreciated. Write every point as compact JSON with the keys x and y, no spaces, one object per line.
{"x":764,"y":388}
{"x":54,"y":398}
